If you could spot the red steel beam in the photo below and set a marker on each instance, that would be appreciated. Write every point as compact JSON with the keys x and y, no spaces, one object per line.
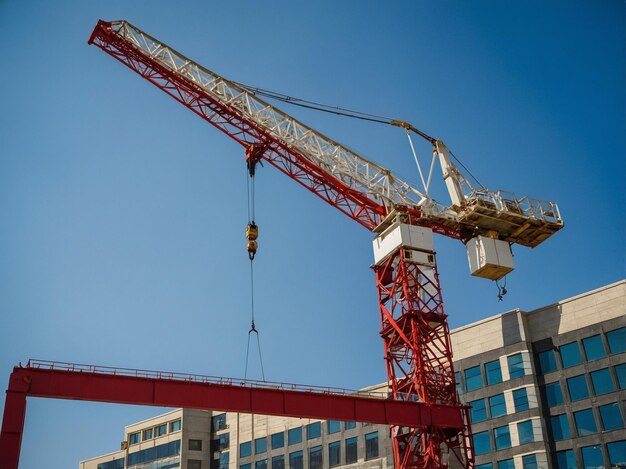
{"x":162,"y":392}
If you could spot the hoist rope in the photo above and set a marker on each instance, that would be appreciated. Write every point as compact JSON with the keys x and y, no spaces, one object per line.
{"x":345,"y":112}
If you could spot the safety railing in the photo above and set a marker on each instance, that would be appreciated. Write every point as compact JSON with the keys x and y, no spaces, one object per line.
{"x":196,"y":378}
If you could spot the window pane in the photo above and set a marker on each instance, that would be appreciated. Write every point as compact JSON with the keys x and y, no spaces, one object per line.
{"x":459,"y":385}
{"x":547,"y":362}
{"x":316,"y":460}
{"x":577,"y":387}
{"x":506,"y":464}
{"x":224,"y":441}
{"x":497,"y":405}
{"x":516,"y":365}
{"x":620,"y":371}
{"x":493,"y":372}
{"x":617,"y":340}
{"x":484,"y":466}
{"x":262,"y":464}
{"x":351,"y":450}
{"x":594,"y":348}
{"x":592,"y":457}
{"x":175,"y":426}
{"x":278,"y":440}
{"x":554,"y":395}
{"x":502,"y":436}
{"x":617,"y":453}
{"x":570,"y":355}
{"x":294,"y":436}
{"x":147,"y":434}
{"x":334,"y":454}
{"x":566,"y":459}
{"x":560,"y":427}
{"x":161,"y":430}
{"x":525,"y":431}
{"x":313,"y":430}
{"x":478,"y":411}
{"x":278,"y":462}
{"x":601,"y":381}
{"x":219,"y":422}
{"x":520,"y":399}
{"x":482,"y":443}
{"x":473,"y":378}
{"x":529,"y":461}
{"x":245,"y":449}
{"x":133,"y":438}
{"x":585,"y":423}
{"x":224,"y":460}
{"x":611,"y":417}
{"x":371,"y":445}
{"x":333,"y":426}
{"x":260,"y":445}
{"x":194,"y":445}
{"x":296,"y":460}
{"x":245,"y":466}
{"x":350,"y":425}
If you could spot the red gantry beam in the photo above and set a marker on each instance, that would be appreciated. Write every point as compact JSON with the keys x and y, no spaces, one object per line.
{"x":164,"y":389}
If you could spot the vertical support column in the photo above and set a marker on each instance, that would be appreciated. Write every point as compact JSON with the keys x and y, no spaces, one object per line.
{"x":416,"y":338}
{"x":13,"y":423}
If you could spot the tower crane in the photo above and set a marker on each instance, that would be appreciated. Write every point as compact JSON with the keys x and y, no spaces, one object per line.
{"x":403,"y":218}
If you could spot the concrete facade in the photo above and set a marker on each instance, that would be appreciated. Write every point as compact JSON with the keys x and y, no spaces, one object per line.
{"x":547,"y":390}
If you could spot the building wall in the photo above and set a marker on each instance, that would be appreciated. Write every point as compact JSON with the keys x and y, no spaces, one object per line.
{"x":508,"y":369}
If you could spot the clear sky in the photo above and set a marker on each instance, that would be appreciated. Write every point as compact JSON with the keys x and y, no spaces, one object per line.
{"x":123,"y":214}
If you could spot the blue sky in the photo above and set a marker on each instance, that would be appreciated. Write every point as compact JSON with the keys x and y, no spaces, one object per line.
{"x":123,"y":214}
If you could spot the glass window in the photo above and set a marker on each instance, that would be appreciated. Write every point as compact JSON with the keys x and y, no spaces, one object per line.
{"x":506,"y":464}
{"x":156,"y":452}
{"x":585,"y":423}
{"x":351,"y":450}
{"x":371,"y":445}
{"x":520,"y":399}
{"x":570,"y":355}
{"x":577,"y":387}
{"x":502,"y":436}
{"x":194,"y":445}
{"x":278,"y":440}
{"x":245,"y":449}
{"x":554,"y":395}
{"x":313,"y":430}
{"x":161,"y":430}
{"x":493,"y":372}
{"x":484,"y":466}
{"x":333,"y":426}
{"x":617,"y":453}
{"x":592,"y":457}
{"x":525,"y":432}
{"x":617,"y":340}
{"x":516,"y":365}
{"x":473,"y":378}
{"x":224,"y":441}
{"x":218,"y":422}
{"x":334,"y":453}
{"x":547,"y":362}
{"x":611,"y":417}
{"x":175,"y":426}
{"x":594,"y":348}
{"x":350,"y":425}
{"x":224,"y":460}
{"x":278,"y":462}
{"x":134,"y":438}
{"x":560,"y":427}
{"x":482,"y":443}
{"x":566,"y":459}
{"x":147,"y":434}
{"x":245,"y":466}
{"x":316,"y":460}
{"x":262,"y":464}
{"x":115,"y":464}
{"x":457,"y":380}
{"x":602,"y":382}
{"x":260,"y":445}
{"x":294,"y":436}
{"x":497,"y":405}
{"x":296,"y":460}
{"x":194,"y":464}
{"x":529,"y":461}
{"x":478,"y":411}
{"x":620,"y":371}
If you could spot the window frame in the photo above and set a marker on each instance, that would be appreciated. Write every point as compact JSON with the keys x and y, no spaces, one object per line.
{"x":470,"y":379}
{"x":577,"y":396}
{"x":516,"y":367}
{"x":370,"y":453}
{"x":591,"y":354}
{"x":490,"y":371}
{"x":571,"y":359}
{"x":493,"y":405}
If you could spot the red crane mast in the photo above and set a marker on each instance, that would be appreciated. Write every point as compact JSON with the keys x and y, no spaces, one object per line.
{"x":414,"y":330}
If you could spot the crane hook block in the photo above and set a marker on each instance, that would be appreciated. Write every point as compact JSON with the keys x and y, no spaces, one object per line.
{"x":252,"y":233}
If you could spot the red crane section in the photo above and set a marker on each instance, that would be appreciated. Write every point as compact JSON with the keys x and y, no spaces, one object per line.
{"x":165,"y":389}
